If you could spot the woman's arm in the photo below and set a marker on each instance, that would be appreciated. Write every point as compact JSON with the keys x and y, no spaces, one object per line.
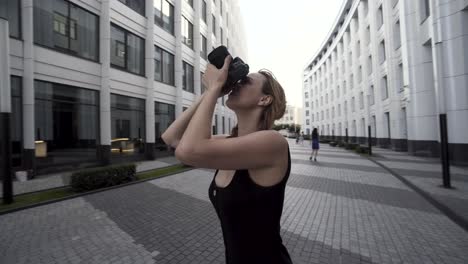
{"x":176,"y":130}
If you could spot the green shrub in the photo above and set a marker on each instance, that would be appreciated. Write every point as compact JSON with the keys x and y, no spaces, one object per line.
{"x":351,"y":146}
{"x":102,"y":177}
{"x":362,"y":149}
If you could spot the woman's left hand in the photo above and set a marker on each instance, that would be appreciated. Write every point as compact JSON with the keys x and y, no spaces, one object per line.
{"x":215,"y":78}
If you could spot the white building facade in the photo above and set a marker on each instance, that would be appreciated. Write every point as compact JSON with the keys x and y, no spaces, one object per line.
{"x":292,"y":115}
{"x":98,"y":81}
{"x":398,"y":66}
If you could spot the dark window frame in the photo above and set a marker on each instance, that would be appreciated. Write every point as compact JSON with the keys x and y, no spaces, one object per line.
{"x":143,"y":11}
{"x":161,"y":25}
{"x":68,"y":52}
{"x":162,"y":66}
{"x":125,"y":69}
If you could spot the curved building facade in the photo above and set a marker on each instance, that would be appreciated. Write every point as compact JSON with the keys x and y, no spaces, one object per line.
{"x":99,"y":81}
{"x":399,"y":67}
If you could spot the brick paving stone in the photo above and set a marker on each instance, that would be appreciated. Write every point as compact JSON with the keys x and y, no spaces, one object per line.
{"x":341,"y":209}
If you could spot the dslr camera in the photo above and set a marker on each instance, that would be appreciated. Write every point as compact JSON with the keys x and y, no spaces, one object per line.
{"x":238,"y":70}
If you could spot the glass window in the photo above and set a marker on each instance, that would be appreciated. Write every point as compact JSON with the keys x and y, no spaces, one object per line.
{"x":187,"y":77}
{"x":136,"y":5}
{"x":16,"y":120}
{"x":10,"y":10}
{"x":164,"y":15}
{"x":397,"y":35}
{"x":66,"y":27}
{"x":215,"y":127}
{"x":135,"y":50}
{"x":371,"y":95}
{"x":221,"y":7}
{"x":202,"y":85}
{"x":203,"y":50}
{"x":361,"y":100}
{"x":190,"y":2}
{"x":401,"y":85}
{"x":426,"y":11}
{"x":221,"y":30}
{"x":384,"y":88}
{"x":187,"y":33}
{"x":66,"y":123}
{"x":382,"y":52}
{"x":224,"y":132}
{"x":127,"y":51}
{"x":164,"y":66}
{"x":380,"y":19}
{"x":213,"y":26}
{"x":204,"y":11}
{"x":369,"y":64}
{"x":127,"y":125}
{"x":164,"y":115}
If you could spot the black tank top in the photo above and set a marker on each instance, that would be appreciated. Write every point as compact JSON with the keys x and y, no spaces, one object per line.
{"x":250,"y":217}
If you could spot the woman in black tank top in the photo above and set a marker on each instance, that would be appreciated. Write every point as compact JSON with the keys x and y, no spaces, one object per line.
{"x":250,"y":217}
{"x":249,"y":211}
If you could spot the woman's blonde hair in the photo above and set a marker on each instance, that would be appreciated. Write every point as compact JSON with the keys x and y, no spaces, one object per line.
{"x":275,"y":110}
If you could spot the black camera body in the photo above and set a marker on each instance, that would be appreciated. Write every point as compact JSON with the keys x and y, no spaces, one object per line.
{"x":238,"y":70}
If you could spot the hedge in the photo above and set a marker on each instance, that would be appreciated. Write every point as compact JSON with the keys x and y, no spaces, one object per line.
{"x":102,"y":177}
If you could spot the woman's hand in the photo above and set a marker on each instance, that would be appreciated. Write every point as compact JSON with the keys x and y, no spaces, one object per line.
{"x":215,"y":78}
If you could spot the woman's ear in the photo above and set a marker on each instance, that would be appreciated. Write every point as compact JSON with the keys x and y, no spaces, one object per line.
{"x":266,"y":100}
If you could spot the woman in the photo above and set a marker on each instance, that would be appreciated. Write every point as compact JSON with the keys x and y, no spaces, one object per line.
{"x":315,"y":144}
{"x":252,"y":164}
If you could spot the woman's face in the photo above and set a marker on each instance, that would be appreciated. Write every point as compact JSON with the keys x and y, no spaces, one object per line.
{"x":248,"y":91}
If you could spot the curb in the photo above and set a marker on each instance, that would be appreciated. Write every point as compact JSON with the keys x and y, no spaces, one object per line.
{"x":90,"y":192}
{"x":68,"y":185}
{"x":459,"y":220}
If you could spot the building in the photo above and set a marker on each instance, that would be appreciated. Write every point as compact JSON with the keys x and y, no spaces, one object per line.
{"x":292,"y":115}
{"x":400,"y":67}
{"x":99,"y":81}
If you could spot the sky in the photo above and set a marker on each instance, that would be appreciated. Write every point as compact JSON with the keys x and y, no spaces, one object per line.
{"x":282,"y":36}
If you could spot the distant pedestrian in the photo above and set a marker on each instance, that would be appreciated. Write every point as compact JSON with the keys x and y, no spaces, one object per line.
{"x":301,"y":139}
{"x":297,"y":138}
{"x":315,"y":144}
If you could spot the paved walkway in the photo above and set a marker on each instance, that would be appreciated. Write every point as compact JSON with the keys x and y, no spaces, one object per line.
{"x":341,"y":209}
{"x":426,"y":174}
{"x":44,"y":182}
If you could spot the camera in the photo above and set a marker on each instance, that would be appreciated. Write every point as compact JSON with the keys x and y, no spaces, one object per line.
{"x":238,"y":70}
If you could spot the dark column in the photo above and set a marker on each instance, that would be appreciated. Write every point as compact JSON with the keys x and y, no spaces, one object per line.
{"x":5,"y":161}
{"x":149,"y":151}
{"x":104,"y":152}
{"x":346,"y":135}
{"x":29,"y":162}
{"x":444,"y":151}
{"x":369,"y":139}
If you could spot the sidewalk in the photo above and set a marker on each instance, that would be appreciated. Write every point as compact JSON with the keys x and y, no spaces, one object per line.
{"x":343,"y":208}
{"x":426,"y":174}
{"x":44,"y":182}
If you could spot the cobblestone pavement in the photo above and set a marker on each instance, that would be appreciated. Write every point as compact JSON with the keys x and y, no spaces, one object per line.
{"x":44,"y":182}
{"x":340,"y":209}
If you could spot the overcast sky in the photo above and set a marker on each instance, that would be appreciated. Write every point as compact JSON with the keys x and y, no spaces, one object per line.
{"x":282,"y":36}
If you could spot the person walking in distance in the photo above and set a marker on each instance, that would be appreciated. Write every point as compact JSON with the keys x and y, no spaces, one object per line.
{"x":301,"y":139}
{"x":252,"y":164}
{"x":315,"y":144}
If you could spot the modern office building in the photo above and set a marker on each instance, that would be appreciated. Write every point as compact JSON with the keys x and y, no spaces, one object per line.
{"x":99,"y":81}
{"x":292,"y":115}
{"x":400,"y":67}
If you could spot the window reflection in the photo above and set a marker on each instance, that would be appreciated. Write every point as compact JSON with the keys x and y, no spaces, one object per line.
{"x":66,"y":123}
{"x":128,"y":124}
